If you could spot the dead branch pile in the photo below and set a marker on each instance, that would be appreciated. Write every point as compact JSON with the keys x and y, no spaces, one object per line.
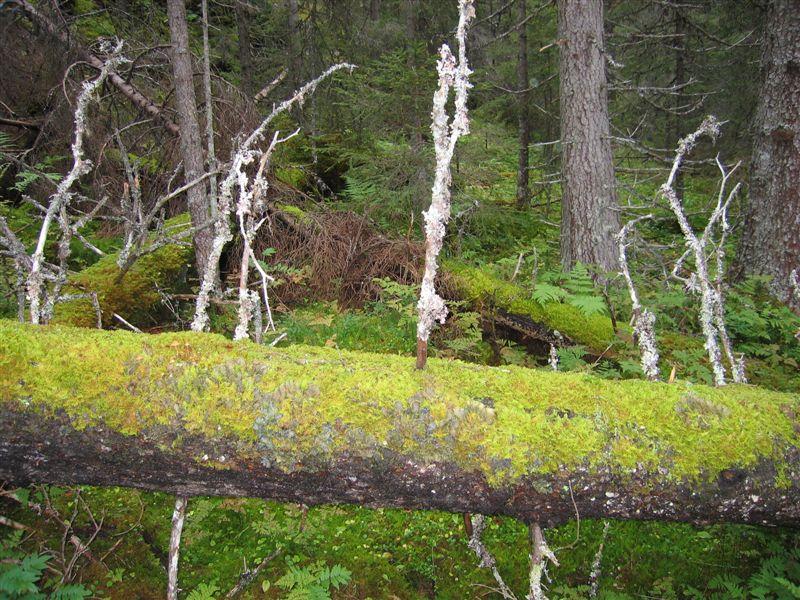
{"x":331,"y":256}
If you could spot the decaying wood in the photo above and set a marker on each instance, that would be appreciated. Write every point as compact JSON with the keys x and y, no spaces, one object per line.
{"x":178,"y":516}
{"x":454,"y":74}
{"x":236,"y":177}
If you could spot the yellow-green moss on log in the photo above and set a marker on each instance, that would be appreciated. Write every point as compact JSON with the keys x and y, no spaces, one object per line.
{"x":303,"y":405}
{"x":133,"y":296}
{"x":474,"y":284}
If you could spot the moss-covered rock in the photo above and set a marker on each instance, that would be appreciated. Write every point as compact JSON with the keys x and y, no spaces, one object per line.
{"x":481,"y":285}
{"x":297,"y":406}
{"x":135,"y":296}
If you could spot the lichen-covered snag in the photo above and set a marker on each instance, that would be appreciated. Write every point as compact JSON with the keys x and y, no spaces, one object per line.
{"x":236,"y":177}
{"x":453,"y":75}
{"x":712,"y":307}
{"x":642,"y":319}
{"x":61,"y":198}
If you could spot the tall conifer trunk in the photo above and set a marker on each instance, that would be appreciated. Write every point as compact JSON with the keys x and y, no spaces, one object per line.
{"x":190,"y":140}
{"x":588,"y":207}
{"x":771,"y":236}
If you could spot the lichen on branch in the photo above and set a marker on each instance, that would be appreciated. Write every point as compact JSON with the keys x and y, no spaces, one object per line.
{"x":453,"y":75}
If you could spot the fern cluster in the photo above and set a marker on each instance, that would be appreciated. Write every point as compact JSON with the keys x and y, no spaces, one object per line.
{"x":22,"y":575}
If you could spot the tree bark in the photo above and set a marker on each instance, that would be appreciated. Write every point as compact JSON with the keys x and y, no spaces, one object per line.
{"x":190,"y":140}
{"x":195,"y":414}
{"x":523,"y":98}
{"x":245,"y":57}
{"x":771,"y":237}
{"x":589,"y":219}
{"x":374,"y":10}
{"x":295,"y":76}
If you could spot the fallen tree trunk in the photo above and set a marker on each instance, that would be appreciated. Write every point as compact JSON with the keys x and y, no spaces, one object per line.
{"x":511,"y":306}
{"x":126,"y":88}
{"x":197,"y":414}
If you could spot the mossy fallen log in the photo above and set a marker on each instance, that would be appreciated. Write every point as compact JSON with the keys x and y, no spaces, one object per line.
{"x":198,"y":414}
{"x":511,"y":301}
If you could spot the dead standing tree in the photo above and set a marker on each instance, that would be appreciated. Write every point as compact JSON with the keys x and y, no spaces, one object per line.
{"x":712,"y":304}
{"x":251,"y":214}
{"x":36,"y":270}
{"x":453,"y":74}
{"x":642,"y":320}
{"x":707,"y":276}
{"x":248,"y":193}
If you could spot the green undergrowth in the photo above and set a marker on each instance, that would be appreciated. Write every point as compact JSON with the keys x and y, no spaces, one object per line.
{"x":283,"y":405}
{"x":391,"y":553}
{"x":375,"y":329}
{"x":484,"y":286}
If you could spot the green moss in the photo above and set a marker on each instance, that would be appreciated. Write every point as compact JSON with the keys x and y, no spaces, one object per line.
{"x":480,"y":285}
{"x":134,"y":296}
{"x":294,"y":176}
{"x":303,"y":405}
{"x":294,"y":211}
{"x":94,"y":21}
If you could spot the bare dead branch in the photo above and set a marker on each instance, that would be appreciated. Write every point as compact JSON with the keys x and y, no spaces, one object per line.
{"x":643,"y":320}
{"x":245,"y":154}
{"x":61,"y":198}
{"x":453,"y":74}
{"x":178,"y":516}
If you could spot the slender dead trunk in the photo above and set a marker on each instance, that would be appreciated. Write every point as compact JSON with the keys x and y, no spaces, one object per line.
{"x":211,"y":155}
{"x":245,"y":57}
{"x":178,"y":516}
{"x":522,"y":106}
{"x":589,"y":220}
{"x":453,"y":74}
{"x":293,"y":47}
{"x":679,"y":82}
{"x":190,"y":140}
{"x":409,"y":17}
{"x":374,"y":10}
{"x":771,"y":236}
{"x":549,"y":155}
